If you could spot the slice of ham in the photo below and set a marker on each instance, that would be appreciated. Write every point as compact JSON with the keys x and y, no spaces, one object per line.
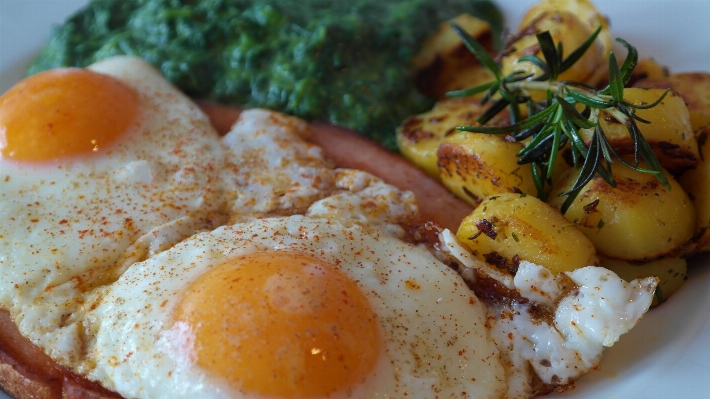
{"x":348,"y":149}
{"x":28,"y":373}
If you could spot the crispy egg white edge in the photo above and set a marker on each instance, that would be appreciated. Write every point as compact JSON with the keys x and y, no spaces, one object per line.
{"x":586,"y":319}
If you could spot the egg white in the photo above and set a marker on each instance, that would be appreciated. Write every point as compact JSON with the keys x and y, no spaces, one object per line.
{"x":437,"y":344}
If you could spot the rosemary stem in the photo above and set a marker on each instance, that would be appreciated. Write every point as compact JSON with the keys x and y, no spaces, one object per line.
{"x":618,"y":115}
{"x":555,"y":87}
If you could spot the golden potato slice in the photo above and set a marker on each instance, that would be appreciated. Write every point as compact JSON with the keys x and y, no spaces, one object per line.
{"x":693,"y":88}
{"x":672,"y":273}
{"x":509,"y":227}
{"x":696,"y":183}
{"x":444,"y":62}
{"x":669,"y":133}
{"x":638,"y":221}
{"x":474,"y":166}
{"x":419,"y":136}
{"x":571,"y":23}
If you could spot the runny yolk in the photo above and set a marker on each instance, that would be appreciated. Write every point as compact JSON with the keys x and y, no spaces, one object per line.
{"x":64,"y":112}
{"x":282,"y":324}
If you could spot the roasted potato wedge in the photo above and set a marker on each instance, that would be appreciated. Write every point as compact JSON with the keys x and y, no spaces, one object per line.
{"x":585,"y":11}
{"x":696,"y":183}
{"x":693,"y":88}
{"x":474,"y":166}
{"x":672,"y":273}
{"x":419,"y":136}
{"x":444,"y":63}
{"x":507,"y":227}
{"x":570,"y":22}
{"x":637,"y":221}
{"x":669,"y":133}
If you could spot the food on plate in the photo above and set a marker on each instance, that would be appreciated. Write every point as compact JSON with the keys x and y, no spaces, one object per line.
{"x":343,"y":62}
{"x":443,"y":62}
{"x":87,"y":203}
{"x":694,"y":182}
{"x":472,"y":166}
{"x":92,"y":104}
{"x":291,"y":307}
{"x":691,"y":87}
{"x":75,"y":222}
{"x":648,"y":68}
{"x":638,"y":220}
{"x":569,"y":22}
{"x":671,"y":273}
{"x":147,"y":274}
{"x":507,"y":228}
{"x":550,"y":327}
{"x":668,"y":131}
{"x":552,"y":119}
{"x":420,"y":136}
{"x":188,"y":264}
{"x":435,"y":203}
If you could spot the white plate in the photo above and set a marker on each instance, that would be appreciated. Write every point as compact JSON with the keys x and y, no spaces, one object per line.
{"x":668,"y":354}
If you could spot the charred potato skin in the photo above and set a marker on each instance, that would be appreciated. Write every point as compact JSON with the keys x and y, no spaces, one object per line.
{"x":669,"y":134}
{"x":637,"y":221}
{"x":514,"y":226}
{"x":474,"y":166}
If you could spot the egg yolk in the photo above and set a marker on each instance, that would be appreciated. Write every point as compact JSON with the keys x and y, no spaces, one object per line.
{"x":282,"y":324}
{"x":64,"y":112}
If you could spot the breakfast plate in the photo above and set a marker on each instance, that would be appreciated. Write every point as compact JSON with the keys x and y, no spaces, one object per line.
{"x":668,"y":354}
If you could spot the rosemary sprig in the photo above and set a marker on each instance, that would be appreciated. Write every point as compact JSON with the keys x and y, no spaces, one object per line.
{"x":556,"y":121}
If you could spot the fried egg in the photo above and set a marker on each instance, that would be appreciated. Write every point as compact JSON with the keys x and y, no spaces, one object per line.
{"x":291,"y":307}
{"x":99,"y":167}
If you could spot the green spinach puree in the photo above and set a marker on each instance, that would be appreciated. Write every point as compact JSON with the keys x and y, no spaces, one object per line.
{"x":347,"y":62}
